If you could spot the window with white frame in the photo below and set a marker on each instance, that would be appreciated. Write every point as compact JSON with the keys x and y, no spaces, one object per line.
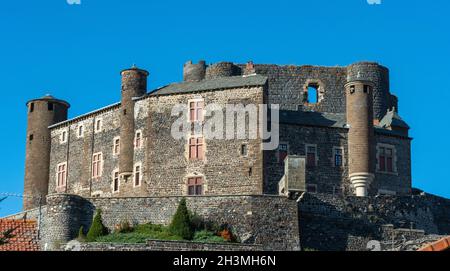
{"x":116,"y":145}
{"x":137,"y":174}
{"x":138,"y":139}
{"x":97,"y":165}
{"x":338,"y":156}
{"x":116,"y":181}
{"x":386,"y":158}
{"x":61,"y":175}
{"x":311,"y":155}
{"x":98,"y":125}
{"x":80,"y":131}
{"x":64,"y":136}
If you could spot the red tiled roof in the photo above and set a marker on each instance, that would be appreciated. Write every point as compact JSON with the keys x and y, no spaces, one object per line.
{"x":24,"y":235}
{"x":441,"y":245}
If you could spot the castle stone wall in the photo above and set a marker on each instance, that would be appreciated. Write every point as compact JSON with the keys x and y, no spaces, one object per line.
{"x":156,"y":245}
{"x":224,"y":169}
{"x":399,"y":182}
{"x":329,"y":179}
{"x":287,"y":86}
{"x":247,"y":216}
{"x":329,"y":222}
{"x":78,"y":151}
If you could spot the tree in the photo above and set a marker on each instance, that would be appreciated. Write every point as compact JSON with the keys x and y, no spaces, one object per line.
{"x":97,"y":228}
{"x":181,"y":224}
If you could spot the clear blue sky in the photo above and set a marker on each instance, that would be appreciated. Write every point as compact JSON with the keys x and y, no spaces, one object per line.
{"x":75,"y":52}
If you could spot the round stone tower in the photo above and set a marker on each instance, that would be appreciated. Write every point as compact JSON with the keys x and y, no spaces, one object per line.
{"x":379,"y":76}
{"x":42,"y":113}
{"x":194,"y":72}
{"x":360,"y":135}
{"x":221,"y":69}
{"x":134,"y":84}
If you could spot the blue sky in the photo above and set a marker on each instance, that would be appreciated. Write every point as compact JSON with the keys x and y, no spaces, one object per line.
{"x":75,"y":52}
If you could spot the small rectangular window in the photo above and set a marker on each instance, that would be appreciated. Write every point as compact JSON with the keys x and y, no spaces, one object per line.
{"x":61,"y":175}
{"x":50,"y":106}
{"x":386,"y":159}
{"x":80,"y":131}
{"x":195,"y":186}
{"x":97,"y":165}
{"x":196,"y":148}
{"x":31,"y":107}
{"x":244,"y":150}
{"x":311,"y":155}
{"x":98,"y":125}
{"x":196,"y":111}
{"x":64,"y":136}
{"x":338,"y":157}
{"x":116,"y":181}
{"x":116,"y":146}
{"x":31,"y":137}
{"x":137,"y":175}
{"x":138,"y":140}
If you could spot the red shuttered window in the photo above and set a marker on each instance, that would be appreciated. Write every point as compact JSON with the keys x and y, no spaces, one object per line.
{"x":196,"y":111}
{"x":61,"y":175}
{"x":196,"y":148}
{"x":195,"y":186}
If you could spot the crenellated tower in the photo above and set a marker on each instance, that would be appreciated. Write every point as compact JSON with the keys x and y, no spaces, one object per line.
{"x":42,"y":113}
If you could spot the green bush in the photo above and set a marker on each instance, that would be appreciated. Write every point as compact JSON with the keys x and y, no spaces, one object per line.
{"x":97,"y":228}
{"x":181,"y":224}
{"x":197,"y":223}
{"x":207,"y":236}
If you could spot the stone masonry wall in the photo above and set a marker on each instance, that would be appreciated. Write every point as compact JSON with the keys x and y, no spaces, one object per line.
{"x":329,"y":179}
{"x":78,"y":151}
{"x":287,"y":84}
{"x":224,"y":170}
{"x":165,"y":171}
{"x":348,"y":223}
{"x":399,"y":182}
{"x":156,"y":245}
{"x":247,"y":215}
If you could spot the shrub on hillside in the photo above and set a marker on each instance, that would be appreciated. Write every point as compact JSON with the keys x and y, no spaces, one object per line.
{"x":181,"y":224}
{"x":97,"y":228}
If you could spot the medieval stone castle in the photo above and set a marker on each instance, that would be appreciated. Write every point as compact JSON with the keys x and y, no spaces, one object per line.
{"x":341,"y":139}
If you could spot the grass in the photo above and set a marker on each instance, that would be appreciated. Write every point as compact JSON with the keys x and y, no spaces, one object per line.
{"x":141,"y":233}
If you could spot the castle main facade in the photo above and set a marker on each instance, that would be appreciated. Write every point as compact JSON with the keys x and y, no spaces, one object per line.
{"x":343,"y":121}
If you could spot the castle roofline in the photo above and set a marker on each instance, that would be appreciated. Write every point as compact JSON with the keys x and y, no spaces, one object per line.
{"x":180,"y":88}
{"x":212,"y":84}
{"x":50,"y":98}
{"x":84,"y":116}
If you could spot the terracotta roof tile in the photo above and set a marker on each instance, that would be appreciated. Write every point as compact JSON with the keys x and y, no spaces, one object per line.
{"x":24,"y":235}
{"x":441,"y":245}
